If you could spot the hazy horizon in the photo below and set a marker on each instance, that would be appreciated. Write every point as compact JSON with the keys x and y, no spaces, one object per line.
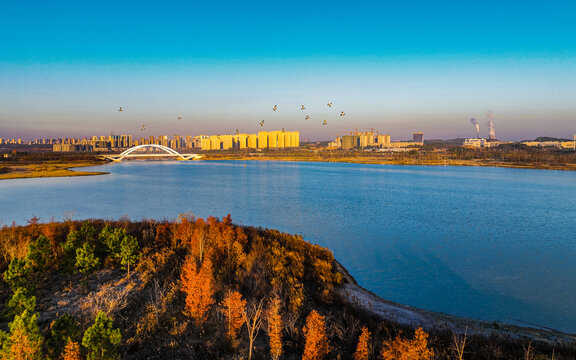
{"x":66,"y":68}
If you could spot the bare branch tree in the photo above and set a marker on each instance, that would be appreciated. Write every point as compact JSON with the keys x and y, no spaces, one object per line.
{"x":156,"y":298}
{"x":528,"y":352}
{"x":253,"y":318}
{"x":459,"y":344}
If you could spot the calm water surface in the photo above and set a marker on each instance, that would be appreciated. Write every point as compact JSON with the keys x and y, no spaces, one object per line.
{"x":487,"y":243}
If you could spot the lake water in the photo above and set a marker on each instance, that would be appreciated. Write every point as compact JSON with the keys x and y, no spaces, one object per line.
{"x":487,"y":243}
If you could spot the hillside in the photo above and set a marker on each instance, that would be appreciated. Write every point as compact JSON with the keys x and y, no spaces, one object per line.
{"x":205,"y":289}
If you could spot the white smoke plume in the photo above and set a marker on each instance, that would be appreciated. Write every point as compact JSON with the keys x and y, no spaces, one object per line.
{"x":491,"y":132}
{"x":475,"y":123}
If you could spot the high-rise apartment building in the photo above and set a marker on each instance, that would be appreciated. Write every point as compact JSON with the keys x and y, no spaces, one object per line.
{"x":418,"y":137}
{"x":349,"y":141}
{"x":262,"y":140}
{"x":252,"y":141}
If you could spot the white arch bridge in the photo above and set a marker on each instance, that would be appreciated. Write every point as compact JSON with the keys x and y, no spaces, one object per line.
{"x":167,"y":152}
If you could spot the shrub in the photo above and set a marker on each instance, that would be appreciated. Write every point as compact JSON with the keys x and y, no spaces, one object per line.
{"x":18,"y":274}
{"x":101,"y":339}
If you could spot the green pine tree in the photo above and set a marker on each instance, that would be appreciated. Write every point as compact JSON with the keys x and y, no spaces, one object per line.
{"x":88,"y":232}
{"x":18,"y":274}
{"x":76,"y":239}
{"x":86,"y":261}
{"x":69,"y":248}
{"x":40,"y":252}
{"x":4,"y":344}
{"x":20,"y":302}
{"x":112,"y":238}
{"x":62,"y":329}
{"x":129,"y":251}
{"x":101,"y":339}
{"x":24,"y":340}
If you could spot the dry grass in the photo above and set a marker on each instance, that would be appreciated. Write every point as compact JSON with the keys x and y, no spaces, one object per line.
{"x":110,"y":298}
{"x":49,"y":169}
{"x":390,"y":161}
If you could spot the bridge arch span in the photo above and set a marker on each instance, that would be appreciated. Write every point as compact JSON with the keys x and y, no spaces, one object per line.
{"x":169,"y":151}
{"x":161,"y":147}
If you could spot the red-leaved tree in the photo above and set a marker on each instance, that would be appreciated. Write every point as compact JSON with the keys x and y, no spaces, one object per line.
{"x":198,"y":284}
{"x":233,"y":307}
{"x":316,"y":345}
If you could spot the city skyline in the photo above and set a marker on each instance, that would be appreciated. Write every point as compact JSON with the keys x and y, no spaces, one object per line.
{"x":66,"y":68}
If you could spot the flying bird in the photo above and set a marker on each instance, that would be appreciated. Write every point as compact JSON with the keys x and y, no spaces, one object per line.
{"x":307,"y":117}
{"x":275,"y":107}
{"x":325,"y":122}
{"x":329,"y":104}
{"x":302,"y":108}
{"x":262,"y":123}
{"x":179,"y":116}
{"x":342,"y":113}
{"x":120,"y":109}
{"x":143,"y":127}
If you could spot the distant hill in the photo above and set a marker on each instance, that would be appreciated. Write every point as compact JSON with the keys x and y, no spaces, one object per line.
{"x":315,"y":143}
{"x":548,"y":138}
{"x":456,"y":141}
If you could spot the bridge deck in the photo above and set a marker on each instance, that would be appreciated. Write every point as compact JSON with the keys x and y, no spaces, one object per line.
{"x":169,"y":152}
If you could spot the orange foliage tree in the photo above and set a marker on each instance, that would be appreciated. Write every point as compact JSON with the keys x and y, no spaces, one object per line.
{"x":71,"y":351}
{"x":227,"y":249}
{"x":316,"y":345}
{"x":275,"y":328}
{"x":25,"y":341}
{"x":21,"y":348}
{"x":233,"y":306}
{"x":163,"y":233}
{"x":199,"y":239}
{"x":362,"y":350}
{"x":405,"y":349}
{"x":184,"y":228}
{"x":287,"y":269}
{"x":198,"y":284}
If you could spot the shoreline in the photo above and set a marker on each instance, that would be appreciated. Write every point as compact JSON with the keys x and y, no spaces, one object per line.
{"x":432,"y":321}
{"x":50,"y":169}
{"x":412,"y":162}
{"x":67,"y":168}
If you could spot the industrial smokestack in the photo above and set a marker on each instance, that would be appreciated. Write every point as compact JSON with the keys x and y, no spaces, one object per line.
{"x":475,"y":123}
{"x":491,"y":132}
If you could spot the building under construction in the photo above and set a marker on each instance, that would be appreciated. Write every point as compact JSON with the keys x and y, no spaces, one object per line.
{"x":370,"y":139}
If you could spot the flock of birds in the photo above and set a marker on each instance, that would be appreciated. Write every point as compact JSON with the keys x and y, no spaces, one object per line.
{"x":275,"y":108}
{"x":307,"y":117}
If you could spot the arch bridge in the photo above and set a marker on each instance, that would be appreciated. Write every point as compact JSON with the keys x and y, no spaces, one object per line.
{"x":168,"y":152}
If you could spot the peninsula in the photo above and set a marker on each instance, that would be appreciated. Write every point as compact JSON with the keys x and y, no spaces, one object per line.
{"x":200,"y":288}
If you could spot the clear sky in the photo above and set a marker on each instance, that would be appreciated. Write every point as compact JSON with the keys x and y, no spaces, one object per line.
{"x":395,"y":66}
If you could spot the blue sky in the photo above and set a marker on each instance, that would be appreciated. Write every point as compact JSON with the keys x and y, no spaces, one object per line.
{"x":399,"y":67}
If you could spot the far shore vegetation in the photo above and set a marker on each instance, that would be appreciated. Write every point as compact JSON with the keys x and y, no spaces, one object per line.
{"x":20,"y":164}
{"x":24,"y":163}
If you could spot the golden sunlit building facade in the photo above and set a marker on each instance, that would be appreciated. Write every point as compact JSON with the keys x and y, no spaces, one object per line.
{"x":262,"y":140}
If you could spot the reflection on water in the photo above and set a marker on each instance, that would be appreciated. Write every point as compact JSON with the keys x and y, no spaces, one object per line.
{"x":495,"y":244}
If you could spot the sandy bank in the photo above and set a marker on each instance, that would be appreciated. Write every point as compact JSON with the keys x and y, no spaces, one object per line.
{"x":48,"y":169}
{"x":434,"y":321}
